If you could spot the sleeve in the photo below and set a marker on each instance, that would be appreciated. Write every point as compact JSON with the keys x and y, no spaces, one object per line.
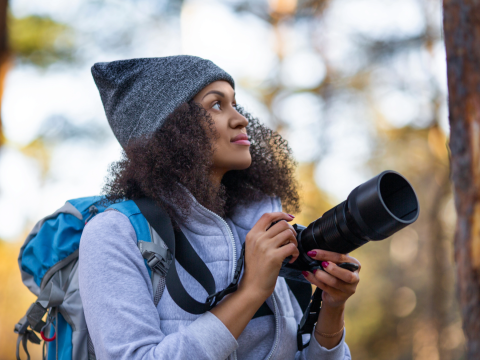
{"x":117,"y":298}
{"x":316,"y":351}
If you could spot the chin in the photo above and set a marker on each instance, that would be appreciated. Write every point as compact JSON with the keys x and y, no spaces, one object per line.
{"x":242,"y":165}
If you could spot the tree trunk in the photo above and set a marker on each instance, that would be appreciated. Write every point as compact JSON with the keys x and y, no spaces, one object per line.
{"x":462,"y":39}
{"x":4,"y":57}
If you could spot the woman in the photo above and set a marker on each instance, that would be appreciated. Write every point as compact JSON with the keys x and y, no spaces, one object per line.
{"x":220,"y":175}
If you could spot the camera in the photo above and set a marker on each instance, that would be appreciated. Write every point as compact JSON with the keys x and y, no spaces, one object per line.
{"x":373,"y":211}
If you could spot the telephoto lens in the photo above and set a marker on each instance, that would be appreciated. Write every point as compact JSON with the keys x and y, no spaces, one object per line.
{"x":373,"y":211}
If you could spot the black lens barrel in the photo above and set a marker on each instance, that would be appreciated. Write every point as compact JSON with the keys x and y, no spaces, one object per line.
{"x":374,"y":210}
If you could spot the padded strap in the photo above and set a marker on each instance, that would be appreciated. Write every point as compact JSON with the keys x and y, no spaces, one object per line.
{"x":159,"y":288}
{"x":158,"y":278}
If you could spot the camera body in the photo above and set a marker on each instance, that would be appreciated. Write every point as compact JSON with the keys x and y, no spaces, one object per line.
{"x":373,"y":211}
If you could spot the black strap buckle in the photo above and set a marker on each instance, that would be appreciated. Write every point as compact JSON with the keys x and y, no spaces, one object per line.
{"x":212,"y":300}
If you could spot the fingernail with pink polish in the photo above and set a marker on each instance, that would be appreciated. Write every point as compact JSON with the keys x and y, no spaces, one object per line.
{"x":312,"y":253}
{"x":314,"y":271}
{"x":304,"y":273}
{"x":291,"y":216}
{"x":324,"y":264}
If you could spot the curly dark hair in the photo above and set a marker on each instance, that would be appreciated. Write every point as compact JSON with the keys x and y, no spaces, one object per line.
{"x":179,"y":155}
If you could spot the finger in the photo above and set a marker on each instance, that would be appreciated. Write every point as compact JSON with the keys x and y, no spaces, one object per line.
{"x":279,"y":227}
{"x":343,"y":274}
{"x":324,"y":255}
{"x":325,"y":287}
{"x":282,"y":239}
{"x":287,"y":250}
{"x":266,"y":219}
{"x":334,"y":282}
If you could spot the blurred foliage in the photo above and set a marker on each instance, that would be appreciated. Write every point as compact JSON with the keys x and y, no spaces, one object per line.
{"x":314,"y":201}
{"x":40,"y":40}
{"x":56,"y":130}
{"x":15,"y":299}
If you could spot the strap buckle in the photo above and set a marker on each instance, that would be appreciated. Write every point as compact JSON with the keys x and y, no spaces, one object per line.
{"x":212,"y":299}
{"x":158,"y":263}
{"x":22,"y":326}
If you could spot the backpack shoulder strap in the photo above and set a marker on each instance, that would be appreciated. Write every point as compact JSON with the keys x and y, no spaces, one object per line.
{"x":130,"y":209}
{"x":151,"y":246}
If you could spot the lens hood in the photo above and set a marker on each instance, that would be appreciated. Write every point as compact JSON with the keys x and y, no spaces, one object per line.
{"x":382,"y":206}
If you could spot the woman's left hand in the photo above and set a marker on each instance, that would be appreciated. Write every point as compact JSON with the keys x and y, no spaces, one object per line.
{"x":338,"y":284}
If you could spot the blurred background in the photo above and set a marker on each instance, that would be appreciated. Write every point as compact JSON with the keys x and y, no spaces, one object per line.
{"x":356,"y":86}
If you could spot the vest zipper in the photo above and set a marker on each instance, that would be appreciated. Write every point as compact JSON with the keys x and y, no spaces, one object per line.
{"x":233,"y":356}
{"x":277,"y":326}
{"x":232,"y":239}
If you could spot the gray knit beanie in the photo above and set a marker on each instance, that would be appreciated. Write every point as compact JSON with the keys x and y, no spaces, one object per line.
{"x":139,"y":94}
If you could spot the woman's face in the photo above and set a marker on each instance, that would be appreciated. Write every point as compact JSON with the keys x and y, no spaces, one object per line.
{"x":232,"y":148}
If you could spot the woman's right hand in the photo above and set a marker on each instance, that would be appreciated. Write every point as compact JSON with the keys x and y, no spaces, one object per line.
{"x":265,"y":249}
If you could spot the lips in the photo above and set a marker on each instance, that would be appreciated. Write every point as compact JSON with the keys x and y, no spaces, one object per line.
{"x":240,"y":139}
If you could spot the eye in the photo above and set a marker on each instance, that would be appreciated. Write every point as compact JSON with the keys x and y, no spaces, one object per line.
{"x":216,"y":103}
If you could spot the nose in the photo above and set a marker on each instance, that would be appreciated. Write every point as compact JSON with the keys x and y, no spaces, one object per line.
{"x":237,"y":120}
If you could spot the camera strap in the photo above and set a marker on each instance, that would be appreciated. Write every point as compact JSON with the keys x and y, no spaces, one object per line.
{"x":309,"y":319}
{"x":187,"y":257}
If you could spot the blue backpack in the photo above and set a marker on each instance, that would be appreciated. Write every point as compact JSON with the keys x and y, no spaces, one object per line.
{"x":48,"y":264}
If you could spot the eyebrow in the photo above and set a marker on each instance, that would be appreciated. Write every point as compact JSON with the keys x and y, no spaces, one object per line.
{"x":216,"y":92}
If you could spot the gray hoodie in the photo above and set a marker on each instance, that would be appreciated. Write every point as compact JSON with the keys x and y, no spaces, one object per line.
{"x":123,"y":322}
